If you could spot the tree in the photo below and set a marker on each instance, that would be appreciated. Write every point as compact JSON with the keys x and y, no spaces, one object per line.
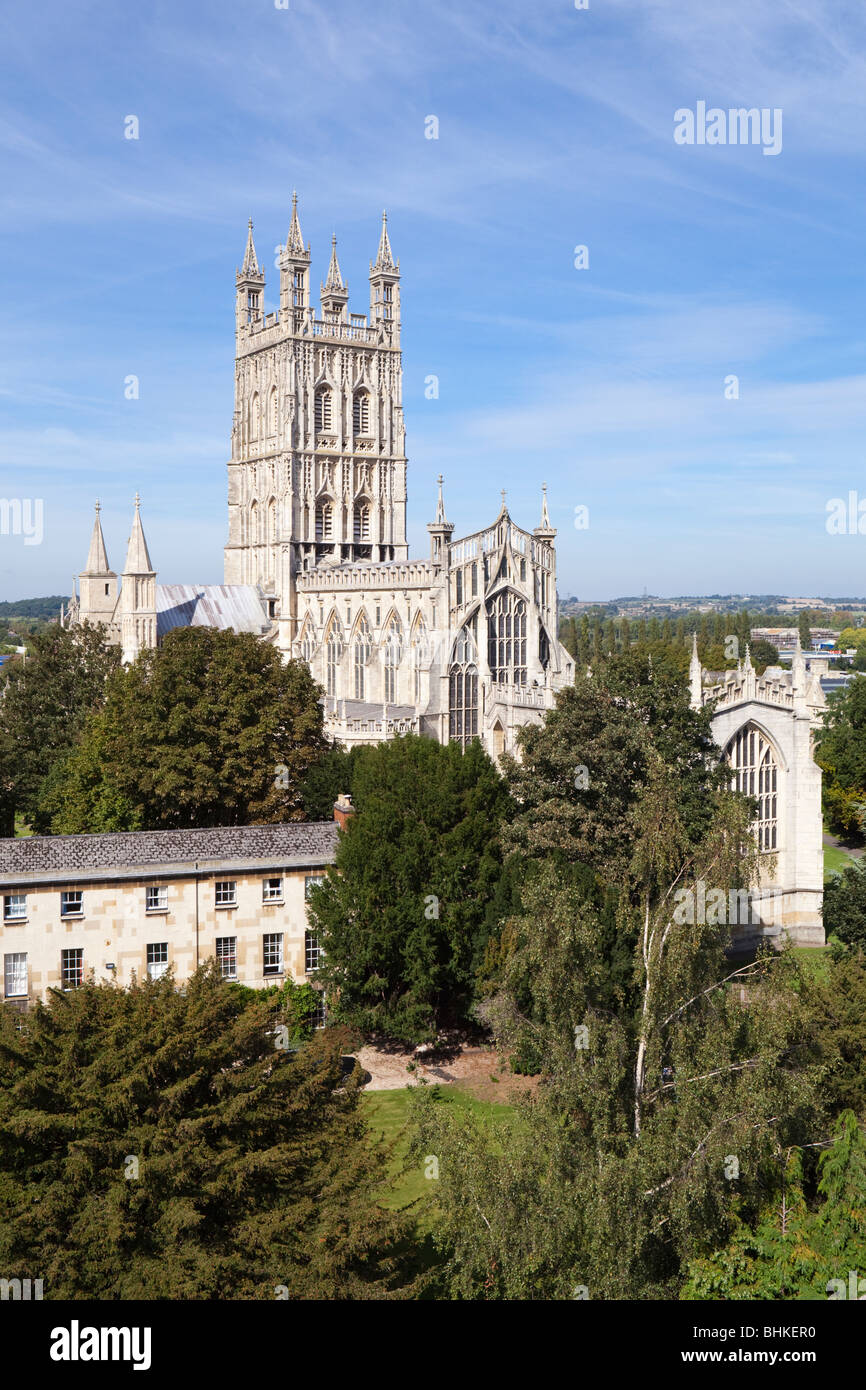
{"x":845,"y":905}
{"x":794,"y":1252}
{"x":580,"y":774}
{"x":47,"y":701}
{"x":327,"y":778}
{"x":763,"y":654}
{"x":841,"y":755}
{"x":210,"y":728}
{"x":649,"y":1090}
{"x":157,"y":1144}
{"x":402,"y":913}
{"x":805,"y":631}
{"x":833,"y":1001}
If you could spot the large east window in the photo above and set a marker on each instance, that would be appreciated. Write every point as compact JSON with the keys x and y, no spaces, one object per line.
{"x":506,"y":638}
{"x":753,"y":762}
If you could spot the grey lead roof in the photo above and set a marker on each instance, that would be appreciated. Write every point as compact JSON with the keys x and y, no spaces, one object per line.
{"x":238,"y":606}
{"x":296,"y":841}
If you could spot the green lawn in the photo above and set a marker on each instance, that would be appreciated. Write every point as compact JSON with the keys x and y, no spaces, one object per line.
{"x":835,"y":860}
{"x":385,"y":1112}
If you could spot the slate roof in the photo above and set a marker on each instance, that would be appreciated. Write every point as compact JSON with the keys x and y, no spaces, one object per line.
{"x":238,"y":606}
{"x":296,"y":842}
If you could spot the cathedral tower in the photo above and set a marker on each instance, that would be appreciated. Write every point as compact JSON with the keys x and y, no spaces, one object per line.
{"x":317,"y":475}
{"x":97,"y":583}
{"x":137,"y":594}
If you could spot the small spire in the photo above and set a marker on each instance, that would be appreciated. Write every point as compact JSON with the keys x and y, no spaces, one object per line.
{"x":251,"y":265}
{"x":384,"y":255}
{"x":137,"y":556}
{"x":295,"y":241}
{"x":97,"y":559}
{"x":696,"y":678}
{"x":440,"y":506}
{"x":545,"y":515}
{"x":334,"y":279}
{"x":747,"y":664}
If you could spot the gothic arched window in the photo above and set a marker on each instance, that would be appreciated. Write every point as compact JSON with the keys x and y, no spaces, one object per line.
{"x":361,"y":413}
{"x":362,"y":521}
{"x":506,"y":638}
{"x":254,"y":416}
{"x":362,"y":650}
{"x":323,"y":408}
{"x":420,"y":652}
{"x":393,"y":654}
{"x":333,"y":656}
{"x":324,"y":521}
{"x":254,"y":523}
{"x":463,"y":690}
{"x":273,"y":410}
{"x":756,"y":773}
{"x":307,"y":644}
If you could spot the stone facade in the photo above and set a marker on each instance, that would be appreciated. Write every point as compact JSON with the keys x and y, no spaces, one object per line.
{"x":133,"y":904}
{"x":765,"y":726}
{"x":460,"y":645}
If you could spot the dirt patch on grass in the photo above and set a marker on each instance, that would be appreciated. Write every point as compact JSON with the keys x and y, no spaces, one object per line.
{"x":477,"y":1070}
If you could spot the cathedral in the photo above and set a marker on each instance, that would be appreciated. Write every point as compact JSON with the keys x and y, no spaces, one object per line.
{"x":457,"y":646}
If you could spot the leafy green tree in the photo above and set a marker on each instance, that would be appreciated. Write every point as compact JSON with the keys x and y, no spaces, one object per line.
{"x":402,"y":914}
{"x":845,"y":905}
{"x":581,"y":773}
{"x":650,"y":1087}
{"x":794,"y":1252}
{"x":47,"y":701}
{"x":763,"y":654}
{"x":327,"y":779}
{"x":805,"y":631}
{"x":159,"y":1144}
{"x":210,"y":728}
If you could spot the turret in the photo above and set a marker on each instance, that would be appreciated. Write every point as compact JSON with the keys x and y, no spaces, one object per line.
{"x":385,"y":285}
{"x":294,"y":271}
{"x":335,"y":294}
{"x":138,"y":595}
{"x":696,"y":679}
{"x":97,"y":583}
{"x":440,"y":531}
{"x":250,"y":288}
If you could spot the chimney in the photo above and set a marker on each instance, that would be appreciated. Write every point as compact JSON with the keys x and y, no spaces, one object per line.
{"x":343,"y":810}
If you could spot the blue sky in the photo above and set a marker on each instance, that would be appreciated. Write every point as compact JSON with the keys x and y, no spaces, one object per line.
{"x":555,"y":130}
